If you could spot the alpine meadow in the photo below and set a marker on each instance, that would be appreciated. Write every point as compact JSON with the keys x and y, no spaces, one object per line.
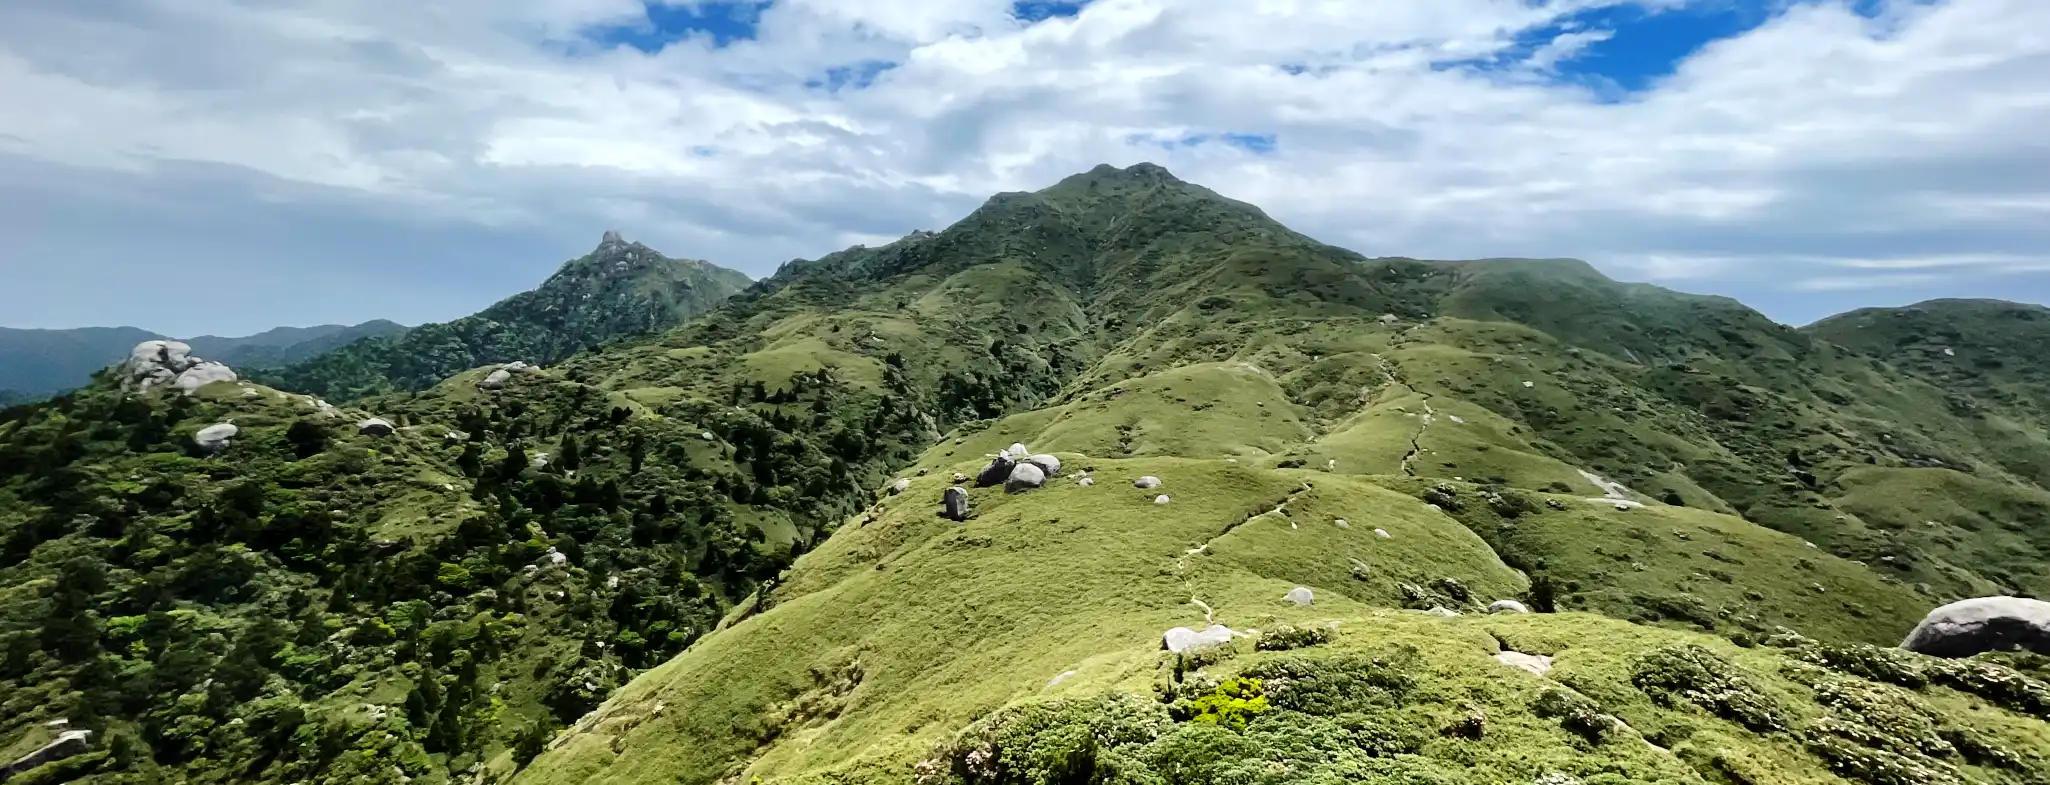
{"x":1120,"y":481}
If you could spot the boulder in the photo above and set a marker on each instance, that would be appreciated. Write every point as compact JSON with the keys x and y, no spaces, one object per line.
{"x":215,"y":438}
{"x":1086,"y":481}
{"x":202,"y":374}
{"x":901,"y":485}
{"x":1383,"y":534}
{"x":496,"y":380}
{"x":1537,"y":664}
{"x":1148,"y":481}
{"x":956,"y":500}
{"x":959,"y":477}
{"x":1046,"y":463}
{"x":1440,"y":610}
{"x":1182,"y":640}
{"x":1300,"y":595}
{"x":69,"y":744}
{"x":1161,"y":499}
{"x":1024,"y":477}
{"x":998,"y":470}
{"x":1016,"y":451}
{"x":1507,"y":606}
{"x":1982,"y":624}
{"x":376,"y":426}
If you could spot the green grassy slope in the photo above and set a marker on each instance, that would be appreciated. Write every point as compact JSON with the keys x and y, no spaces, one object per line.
{"x":1473,"y":411}
{"x":1717,"y":516}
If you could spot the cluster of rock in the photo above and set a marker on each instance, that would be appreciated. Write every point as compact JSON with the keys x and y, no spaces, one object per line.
{"x":1018,"y":470}
{"x":153,"y":364}
{"x":497,"y":379}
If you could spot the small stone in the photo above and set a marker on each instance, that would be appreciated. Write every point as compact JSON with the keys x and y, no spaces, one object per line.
{"x":1440,"y":610}
{"x":1161,"y":499}
{"x":1530,"y":384}
{"x":707,"y":436}
{"x":1507,"y":606}
{"x":1300,"y":595}
{"x":959,"y":477}
{"x":1342,"y":524}
{"x":1383,"y":534}
{"x":1086,"y":481}
{"x":1148,"y":481}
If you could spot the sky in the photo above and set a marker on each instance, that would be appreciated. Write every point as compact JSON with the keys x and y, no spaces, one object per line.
{"x":226,"y":166}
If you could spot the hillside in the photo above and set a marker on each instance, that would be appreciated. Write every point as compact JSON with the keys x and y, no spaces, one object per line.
{"x":1722,"y":523}
{"x":37,"y":363}
{"x":619,"y":289}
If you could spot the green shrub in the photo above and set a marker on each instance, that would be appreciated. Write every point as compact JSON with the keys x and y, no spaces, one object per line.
{"x":1287,"y":637}
{"x":1232,"y":704}
{"x":1688,"y":673}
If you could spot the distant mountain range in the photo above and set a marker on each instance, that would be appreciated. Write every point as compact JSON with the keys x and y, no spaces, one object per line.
{"x":38,"y":363}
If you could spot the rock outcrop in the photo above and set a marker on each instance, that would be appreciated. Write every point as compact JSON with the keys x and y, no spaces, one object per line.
{"x":956,"y":501}
{"x":70,"y":743}
{"x":1982,"y":624}
{"x":215,"y":438}
{"x":1507,"y":606}
{"x":153,"y":364}
{"x":497,"y":379}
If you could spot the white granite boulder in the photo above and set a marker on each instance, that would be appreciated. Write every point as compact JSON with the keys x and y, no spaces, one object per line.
{"x":1300,"y":595}
{"x":1982,"y":624}
{"x":1182,"y":640}
{"x":215,"y":438}
{"x":376,"y":426}
{"x":1507,"y":606}
{"x":1024,"y":477}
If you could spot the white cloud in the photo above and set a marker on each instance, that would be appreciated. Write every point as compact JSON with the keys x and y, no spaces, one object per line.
{"x":1799,"y":151}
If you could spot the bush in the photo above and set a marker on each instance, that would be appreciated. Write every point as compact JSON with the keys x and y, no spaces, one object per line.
{"x":1688,"y":673}
{"x":1285,"y":638}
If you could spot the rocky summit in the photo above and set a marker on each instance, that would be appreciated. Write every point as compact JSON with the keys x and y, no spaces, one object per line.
{"x":1119,"y":481}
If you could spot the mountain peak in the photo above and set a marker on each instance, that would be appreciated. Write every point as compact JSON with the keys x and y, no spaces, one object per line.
{"x":611,"y":238}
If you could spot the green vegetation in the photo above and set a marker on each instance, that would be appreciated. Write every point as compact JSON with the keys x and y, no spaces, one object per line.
{"x":618,"y":290}
{"x":1720,"y":522}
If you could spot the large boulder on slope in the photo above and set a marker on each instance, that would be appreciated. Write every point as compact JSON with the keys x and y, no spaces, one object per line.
{"x":996,"y":472}
{"x":1982,"y":624}
{"x":376,"y":426}
{"x":956,"y":500}
{"x":1024,"y":477}
{"x":1046,"y":463}
{"x":215,"y":438}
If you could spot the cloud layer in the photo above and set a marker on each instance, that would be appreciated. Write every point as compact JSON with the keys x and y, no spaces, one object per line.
{"x":338,"y":160}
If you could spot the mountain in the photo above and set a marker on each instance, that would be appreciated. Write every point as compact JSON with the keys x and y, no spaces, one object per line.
{"x":619,"y":289}
{"x":281,"y":346}
{"x":719,"y":553}
{"x":36,"y":363}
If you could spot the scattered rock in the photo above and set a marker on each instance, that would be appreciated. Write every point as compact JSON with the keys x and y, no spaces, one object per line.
{"x":901,"y":485}
{"x":1055,"y":681}
{"x":496,"y":379}
{"x":1440,"y":610}
{"x":1982,"y":624}
{"x":1148,"y":481}
{"x":556,"y":558}
{"x":1046,"y":463}
{"x":1507,"y":606}
{"x":215,"y":438}
{"x":707,"y":436}
{"x":1024,"y":477}
{"x":1300,"y":595}
{"x":1016,"y":451}
{"x":1182,"y":640}
{"x":959,"y":477}
{"x":1342,"y":524}
{"x":1383,"y":534}
{"x":375,"y":426}
{"x":1161,"y":499}
{"x":1086,"y":481}
{"x":1530,"y":384}
{"x":956,"y":501}
{"x":1538,"y":664}
{"x":539,"y":460}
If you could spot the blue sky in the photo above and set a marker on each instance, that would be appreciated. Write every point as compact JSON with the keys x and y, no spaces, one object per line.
{"x":1806,"y":156}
